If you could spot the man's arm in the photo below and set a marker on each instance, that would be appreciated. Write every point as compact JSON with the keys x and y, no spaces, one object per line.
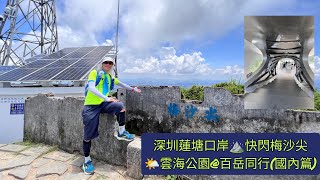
{"x":127,"y":86}
{"x":93,"y":89}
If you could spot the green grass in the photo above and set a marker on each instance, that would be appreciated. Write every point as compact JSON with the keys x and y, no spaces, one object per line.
{"x":194,"y":93}
{"x":172,"y":177}
{"x":26,"y":143}
{"x":317,"y":100}
{"x":197,"y":92}
{"x":234,"y":86}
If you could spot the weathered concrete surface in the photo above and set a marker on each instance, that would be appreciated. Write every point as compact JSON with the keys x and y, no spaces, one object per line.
{"x":17,"y":161}
{"x":61,"y":125}
{"x":134,"y":159}
{"x":20,"y":172}
{"x":52,"y":168}
{"x":108,"y":171}
{"x":40,"y":162}
{"x":41,"y":168}
{"x":35,"y":151}
{"x":13,"y":148}
{"x":78,"y":161}
{"x":151,"y":111}
{"x":148,"y":112}
{"x":78,"y":176}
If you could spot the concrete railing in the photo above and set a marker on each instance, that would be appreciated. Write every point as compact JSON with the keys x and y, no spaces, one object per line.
{"x":58,"y":121}
{"x":160,"y":109}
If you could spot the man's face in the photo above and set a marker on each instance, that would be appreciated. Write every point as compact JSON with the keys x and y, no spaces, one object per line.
{"x":107,"y":66}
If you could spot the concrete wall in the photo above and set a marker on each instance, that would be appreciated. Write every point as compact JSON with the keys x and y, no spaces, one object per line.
{"x":160,"y":109}
{"x":58,"y":121}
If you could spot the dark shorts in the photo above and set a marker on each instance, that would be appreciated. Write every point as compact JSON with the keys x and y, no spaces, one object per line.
{"x":91,"y":114}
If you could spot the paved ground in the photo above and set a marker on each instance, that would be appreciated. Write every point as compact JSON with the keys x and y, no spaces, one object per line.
{"x":35,"y":161}
{"x":283,"y":93}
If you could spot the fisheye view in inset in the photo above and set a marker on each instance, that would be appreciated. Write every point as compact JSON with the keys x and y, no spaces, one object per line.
{"x":279,"y":62}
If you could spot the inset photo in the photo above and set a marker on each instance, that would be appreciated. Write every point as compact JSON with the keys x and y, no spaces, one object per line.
{"x":279,"y":62}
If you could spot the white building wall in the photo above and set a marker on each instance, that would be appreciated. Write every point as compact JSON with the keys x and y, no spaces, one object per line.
{"x":11,"y":125}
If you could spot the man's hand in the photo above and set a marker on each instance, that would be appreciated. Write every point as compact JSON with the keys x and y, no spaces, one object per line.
{"x":136,"y":89}
{"x":111,"y":99}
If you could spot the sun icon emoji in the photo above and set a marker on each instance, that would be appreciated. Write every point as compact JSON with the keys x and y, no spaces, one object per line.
{"x":152,"y":164}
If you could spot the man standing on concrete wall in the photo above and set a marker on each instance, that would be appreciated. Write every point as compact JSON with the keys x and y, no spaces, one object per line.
{"x":100,"y":83}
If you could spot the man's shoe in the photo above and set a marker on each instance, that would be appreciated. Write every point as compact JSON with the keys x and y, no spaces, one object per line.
{"x":126,"y":136}
{"x":88,"y":168}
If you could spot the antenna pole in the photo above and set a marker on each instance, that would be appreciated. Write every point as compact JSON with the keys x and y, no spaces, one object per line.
{"x":117,"y":34}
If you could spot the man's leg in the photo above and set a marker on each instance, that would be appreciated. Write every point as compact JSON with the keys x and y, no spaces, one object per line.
{"x":118,"y":109}
{"x":86,"y":150}
{"x":121,"y":118}
{"x":90,"y":115}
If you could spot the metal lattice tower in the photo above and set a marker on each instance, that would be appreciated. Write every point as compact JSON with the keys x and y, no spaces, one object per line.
{"x":27,"y":28}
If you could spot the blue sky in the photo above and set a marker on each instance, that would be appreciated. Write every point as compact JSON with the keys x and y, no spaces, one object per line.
{"x":176,"y":39}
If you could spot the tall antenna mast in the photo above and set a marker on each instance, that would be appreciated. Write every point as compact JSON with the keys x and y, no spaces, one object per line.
{"x":117,"y":34}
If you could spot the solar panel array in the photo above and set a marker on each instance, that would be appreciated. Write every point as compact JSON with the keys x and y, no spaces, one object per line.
{"x":4,"y":69}
{"x":34,"y":58}
{"x":66,"y":64}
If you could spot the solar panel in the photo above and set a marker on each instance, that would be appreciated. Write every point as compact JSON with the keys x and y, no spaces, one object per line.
{"x":84,"y":63}
{"x":66,"y":64}
{"x":59,"y":54}
{"x":80,"y":52}
{"x":34,"y":58}
{"x":4,"y":69}
{"x":72,"y":73}
{"x":37,"y":64}
{"x":16,"y":74}
{"x":63,"y":63}
{"x":99,"y":52}
{"x":42,"y":74}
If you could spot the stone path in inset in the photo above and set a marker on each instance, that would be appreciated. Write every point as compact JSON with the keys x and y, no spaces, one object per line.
{"x":282,"y":93}
{"x":47,"y":162}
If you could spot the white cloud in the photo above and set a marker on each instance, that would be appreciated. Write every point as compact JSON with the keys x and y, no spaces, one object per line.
{"x":230,"y":70}
{"x":108,"y":42}
{"x":93,"y":16}
{"x":150,"y":23}
{"x":146,"y":26}
{"x":168,"y":63}
{"x":69,"y":37}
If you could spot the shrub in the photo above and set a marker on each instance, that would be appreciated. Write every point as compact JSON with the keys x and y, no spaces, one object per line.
{"x":232,"y":85}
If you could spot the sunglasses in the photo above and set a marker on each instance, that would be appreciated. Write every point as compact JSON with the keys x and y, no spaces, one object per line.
{"x":108,"y":62}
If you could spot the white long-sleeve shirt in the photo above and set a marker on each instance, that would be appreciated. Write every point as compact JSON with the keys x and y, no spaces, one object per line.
{"x":95,"y":91}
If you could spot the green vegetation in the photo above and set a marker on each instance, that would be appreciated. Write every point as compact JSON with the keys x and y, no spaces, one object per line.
{"x":232,"y":85}
{"x":173,"y":177}
{"x":170,"y":177}
{"x":26,"y":143}
{"x":317,"y":100}
{"x":197,"y":92}
{"x":194,"y":93}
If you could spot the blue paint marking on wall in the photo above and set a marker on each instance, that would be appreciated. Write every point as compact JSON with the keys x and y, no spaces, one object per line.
{"x":16,"y":108}
{"x":173,"y":109}
{"x":190,"y":111}
{"x":211,"y":115}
